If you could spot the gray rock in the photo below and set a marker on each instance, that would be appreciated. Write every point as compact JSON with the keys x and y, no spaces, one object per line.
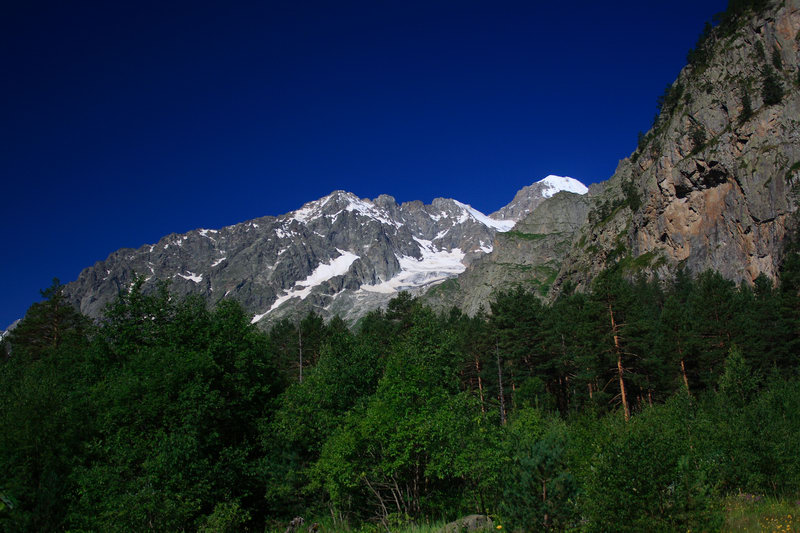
{"x":470,"y":523}
{"x":728,"y":205}
{"x":336,"y":255}
{"x":529,"y":256}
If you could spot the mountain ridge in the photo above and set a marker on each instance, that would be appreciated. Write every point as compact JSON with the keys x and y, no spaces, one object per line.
{"x":339,"y":254}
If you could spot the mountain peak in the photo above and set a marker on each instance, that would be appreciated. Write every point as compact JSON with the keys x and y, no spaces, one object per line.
{"x":528,"y":198}
{"x":554,"y":184}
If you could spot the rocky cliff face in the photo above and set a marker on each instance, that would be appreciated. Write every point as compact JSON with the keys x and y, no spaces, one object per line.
{"x":714,"y":185}
{"x":528,"y":198}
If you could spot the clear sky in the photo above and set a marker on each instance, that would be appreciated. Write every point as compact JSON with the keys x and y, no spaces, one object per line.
{"x":124,"y":121}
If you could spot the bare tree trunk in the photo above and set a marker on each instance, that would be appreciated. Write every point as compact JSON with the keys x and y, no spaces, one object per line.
{"x":500,"y":383}
{"x":380,"y":500}
{"x":544,"y":501}
{"x":56,"y":329}
{"x":480,"y":382}
{"x":620,"y":370}
{"x":685,"y":379}
{"x":300,"y":349}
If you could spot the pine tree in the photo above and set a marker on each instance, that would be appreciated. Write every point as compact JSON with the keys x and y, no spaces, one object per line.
{"x":771,"y":90}
{"x":612,"y":293}
{"x":747,"y":107}
{"x":47,"y":325}
{"x":777,"y":62}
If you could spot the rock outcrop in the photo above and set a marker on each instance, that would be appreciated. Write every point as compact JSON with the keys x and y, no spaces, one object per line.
{"x":714,"y":185}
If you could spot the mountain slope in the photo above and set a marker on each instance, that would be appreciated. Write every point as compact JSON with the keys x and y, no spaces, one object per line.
{"x":339,"y":255}
{"x":712,"y":186}
{"x":529,"y":256}
{"x":528,"y":198}
{"x":336,"y":255}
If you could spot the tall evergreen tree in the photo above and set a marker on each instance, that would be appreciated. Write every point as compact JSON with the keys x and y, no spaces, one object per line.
{"x":48,"y":324}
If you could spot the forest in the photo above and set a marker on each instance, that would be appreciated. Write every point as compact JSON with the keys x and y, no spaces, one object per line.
{"x":637,"y":405}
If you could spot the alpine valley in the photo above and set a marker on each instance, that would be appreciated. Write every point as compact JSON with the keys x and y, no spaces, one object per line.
{"x":625,"y":357}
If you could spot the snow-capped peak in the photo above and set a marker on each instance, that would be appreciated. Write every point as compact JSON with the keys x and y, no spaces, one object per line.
{"x":338,"y":201}
{"x":313,"y":209}
{"x":554,"y":184}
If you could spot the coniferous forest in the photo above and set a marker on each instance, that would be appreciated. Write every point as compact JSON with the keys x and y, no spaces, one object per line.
{"x":636,"y":406}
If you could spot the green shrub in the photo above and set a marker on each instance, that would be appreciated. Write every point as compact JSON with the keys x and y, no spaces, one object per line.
{"x":771,"y":90}
{"x":698,"y":137}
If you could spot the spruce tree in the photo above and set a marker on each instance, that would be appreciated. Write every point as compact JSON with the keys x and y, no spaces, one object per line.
{"x":48,"y":324}
{"x":771,"y":90}
{"x":747,"y":107}
{"x":777,"y":62}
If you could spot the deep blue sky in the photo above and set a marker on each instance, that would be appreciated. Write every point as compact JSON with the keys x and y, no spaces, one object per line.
{"x":125,"y":121}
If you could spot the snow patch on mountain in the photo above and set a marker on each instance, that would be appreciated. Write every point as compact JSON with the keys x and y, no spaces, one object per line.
{"x":499,"y":225}
{"x":5,"y":333}
{"x":310,"y":210}
{"x":370,"y":210}
{"x":324,"y":271}
{"x":433,"y":267}
{"x":197,"y":278}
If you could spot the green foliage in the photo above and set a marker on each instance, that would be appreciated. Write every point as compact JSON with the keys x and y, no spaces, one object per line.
{"x":406,"y":447}
{"x":771,"y":88}
{"x":604,"y":211}
{"x":737,"y":383}
{"x":48,"y":325}
{"x":228,"y":517}
{"x":724,"y":25}
{"x":43,"y":414}
{"x":669,"y":99}
{"x":172,"y":416}
{"x":641,"y":142}
{"x":176,"y":424}
{"x":777,"y":62}
{"x":760,"y":53}
{"x":632,"y":197}
{"x":747,"y":107}
{"x":700,"y":55}
{"x":631,"y":490}
{"x":697,"y":134}
{"x":539,"y":491}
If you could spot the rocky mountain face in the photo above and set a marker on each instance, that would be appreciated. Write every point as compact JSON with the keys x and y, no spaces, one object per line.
{"x":529,"y":256}
{"x":336,"y":255}
{"x":528,"y":198}
{"x":715,"y":183}
{"x":339,"y":255}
